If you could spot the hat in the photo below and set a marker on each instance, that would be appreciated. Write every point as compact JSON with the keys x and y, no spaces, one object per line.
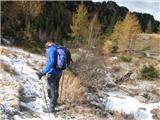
{"x":50,"y":38}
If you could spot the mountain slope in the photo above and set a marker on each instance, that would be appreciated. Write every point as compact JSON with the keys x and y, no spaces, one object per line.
{"x":18,"y":74}
{"x":56,"y":17}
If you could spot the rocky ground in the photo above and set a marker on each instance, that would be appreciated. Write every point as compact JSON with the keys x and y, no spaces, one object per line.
{"x":91,"y":90}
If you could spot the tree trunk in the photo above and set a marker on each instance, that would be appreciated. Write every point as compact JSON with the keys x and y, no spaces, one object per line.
{"x":131,"y":45}
{"x":90,"y":36}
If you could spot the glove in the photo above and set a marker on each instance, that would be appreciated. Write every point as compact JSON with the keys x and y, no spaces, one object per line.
{"x":40,"y":74}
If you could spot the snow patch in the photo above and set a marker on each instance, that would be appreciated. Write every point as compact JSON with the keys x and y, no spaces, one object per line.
{"x":129,"y":105}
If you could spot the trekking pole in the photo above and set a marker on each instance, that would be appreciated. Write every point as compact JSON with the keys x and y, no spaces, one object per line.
{"x":61,"y":87}
{"x":45,"y":98}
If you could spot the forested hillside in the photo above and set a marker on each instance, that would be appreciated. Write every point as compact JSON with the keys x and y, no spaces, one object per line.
{"x":30,"y":22}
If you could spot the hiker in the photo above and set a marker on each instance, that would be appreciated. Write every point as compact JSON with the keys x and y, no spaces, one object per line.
{"x":53,"y":75}
{"x":58,"y":59}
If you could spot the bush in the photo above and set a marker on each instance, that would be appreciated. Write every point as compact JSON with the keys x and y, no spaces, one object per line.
{"x":149,"y":72}
{"x":126,"y":58}
{"x":107,"y":48}
{"x":114,"y":49}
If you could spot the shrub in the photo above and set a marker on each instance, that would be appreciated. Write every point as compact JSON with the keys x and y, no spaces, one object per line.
{"x":107,"y":48}
{"x":126,"y":58}
{"x":149,"y":72}
{"x":114,"y":49}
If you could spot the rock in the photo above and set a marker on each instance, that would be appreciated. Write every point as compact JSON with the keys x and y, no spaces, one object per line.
{"x":113,"y":58}
{"x":98,"y":111}
{"x":111,"y":85}
{"x":8,"y":41}
{"x":75,"y":56}
{"x":116,"y":68}
{"x":118,"y":116}
{"x":84,"y":89}
{"x":15,"y":104}
{"x":7,"y":111}
{"x":141,"y":98}
{"x":141,"y":114}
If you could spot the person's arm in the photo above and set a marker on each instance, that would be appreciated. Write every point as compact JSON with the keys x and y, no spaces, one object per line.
{"x":51,"y":52}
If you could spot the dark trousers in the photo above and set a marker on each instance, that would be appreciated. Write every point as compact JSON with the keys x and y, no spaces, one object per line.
{"x":53,"y":86}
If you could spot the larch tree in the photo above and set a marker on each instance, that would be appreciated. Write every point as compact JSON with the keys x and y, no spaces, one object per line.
{"x":130,"y":28}
{"x":17,"y":18}
{"x":79,"y":24}
{"x":117,"y":33}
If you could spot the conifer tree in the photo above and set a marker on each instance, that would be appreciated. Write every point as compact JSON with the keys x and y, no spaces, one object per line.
{"x":149,"y":27}
{"x":111,"y":43}
{"x":159,"y":29}
{"x":117,"y":32}
{"x":130,"y":28}
{"x":79,"y":24}
{"x":124,"y":33}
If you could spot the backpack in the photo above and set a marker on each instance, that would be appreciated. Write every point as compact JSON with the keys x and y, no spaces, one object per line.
{"x":63,"y":57}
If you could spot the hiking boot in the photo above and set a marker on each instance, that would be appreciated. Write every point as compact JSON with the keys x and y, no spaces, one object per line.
{"x":49,"y":110}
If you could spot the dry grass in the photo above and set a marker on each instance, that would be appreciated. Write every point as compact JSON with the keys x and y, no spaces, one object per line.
{"x":148,"y":42}
{"x":87,"y":112}
{"x":7,"y":68}
{"x":107,"y":47}
{"x":70,"y":90}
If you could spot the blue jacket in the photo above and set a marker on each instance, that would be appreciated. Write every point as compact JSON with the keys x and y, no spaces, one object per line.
{"x":51,"y":59}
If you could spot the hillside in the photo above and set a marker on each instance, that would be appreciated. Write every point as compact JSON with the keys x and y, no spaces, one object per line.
{"x":90,"y":91}
{"x":56,"y":18}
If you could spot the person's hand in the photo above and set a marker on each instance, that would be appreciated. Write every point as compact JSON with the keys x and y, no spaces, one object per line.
{"x":40,"y":74}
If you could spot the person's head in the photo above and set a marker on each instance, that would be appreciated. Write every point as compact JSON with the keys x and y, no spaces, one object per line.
{"x":49,"y":41}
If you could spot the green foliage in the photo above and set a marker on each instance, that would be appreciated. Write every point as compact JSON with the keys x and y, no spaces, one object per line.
{"x":55,"y":19}
{"x":112,"y":23}
{"x":145,"y":95}
{"x":149,"y":72}
{"x":126,"y":58}
{"x":115,"y":36}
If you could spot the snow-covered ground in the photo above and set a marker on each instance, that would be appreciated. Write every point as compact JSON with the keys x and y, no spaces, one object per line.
{"x":26,"y":65}
{"x":129,"y":105}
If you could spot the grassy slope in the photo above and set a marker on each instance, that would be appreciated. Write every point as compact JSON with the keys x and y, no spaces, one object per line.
{"x":148,"y":42}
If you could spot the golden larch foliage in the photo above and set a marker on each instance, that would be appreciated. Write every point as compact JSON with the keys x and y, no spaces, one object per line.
{"x":130,"y":28}
{"x":79,"y":22}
